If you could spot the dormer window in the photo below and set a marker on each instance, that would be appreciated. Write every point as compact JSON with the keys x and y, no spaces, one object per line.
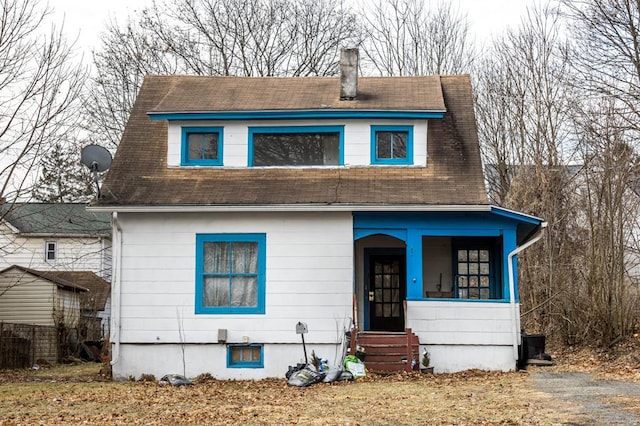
{"x":201,"y":146}
{"x":391,"y":144}
{"x":296,"y":146}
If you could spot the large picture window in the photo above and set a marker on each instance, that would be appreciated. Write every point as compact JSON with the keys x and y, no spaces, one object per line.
{"x":202,"y":146}
{"x":296,"y":146}
{"x":230,"y":273}
{"x":391,"y":144}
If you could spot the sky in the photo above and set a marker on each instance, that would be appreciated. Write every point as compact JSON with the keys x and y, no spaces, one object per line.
{"x":84,"y":19}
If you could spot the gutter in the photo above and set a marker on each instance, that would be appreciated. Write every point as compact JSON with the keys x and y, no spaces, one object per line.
{"x":515,"y":320}
{"x":116,"y":289}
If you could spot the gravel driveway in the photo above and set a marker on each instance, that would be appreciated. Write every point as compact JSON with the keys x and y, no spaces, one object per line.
{"x":594,"y":402}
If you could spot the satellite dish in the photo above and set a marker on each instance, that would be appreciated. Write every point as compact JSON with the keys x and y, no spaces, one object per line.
{"x":97,"y":159}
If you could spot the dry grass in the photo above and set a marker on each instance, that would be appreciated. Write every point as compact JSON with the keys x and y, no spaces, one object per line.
{"x":78,"y":394}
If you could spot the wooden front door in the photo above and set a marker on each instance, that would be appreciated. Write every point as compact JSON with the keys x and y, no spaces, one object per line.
{"x":386,"y":292}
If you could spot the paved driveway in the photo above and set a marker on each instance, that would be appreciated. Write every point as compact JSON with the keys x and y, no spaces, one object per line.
{"x":595,"y":402}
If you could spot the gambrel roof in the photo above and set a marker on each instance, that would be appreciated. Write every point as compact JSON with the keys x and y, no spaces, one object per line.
{"x":139,"y":175}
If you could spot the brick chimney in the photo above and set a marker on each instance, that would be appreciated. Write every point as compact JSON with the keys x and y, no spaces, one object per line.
{"x":348,"y":74}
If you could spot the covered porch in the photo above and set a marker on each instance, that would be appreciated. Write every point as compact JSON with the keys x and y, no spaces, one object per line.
{"x":449,"y":276}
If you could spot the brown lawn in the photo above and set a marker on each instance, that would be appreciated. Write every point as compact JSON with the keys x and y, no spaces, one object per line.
{"x":78,"y":394}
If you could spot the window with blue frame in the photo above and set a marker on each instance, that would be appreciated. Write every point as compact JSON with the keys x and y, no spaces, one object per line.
{"x":230,"y":273}
{"x":296,"y":146}
{"x":392,"y":144}
{"x":201,"y":146}
{"x":245,"y":356}
{"x":476,"y":271}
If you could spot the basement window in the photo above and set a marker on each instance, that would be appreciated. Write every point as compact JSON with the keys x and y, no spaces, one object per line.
{"x":201,"y":146}
{"x":296,"y":146}
{"x":245,"y":356}
{"x":392,"y":144}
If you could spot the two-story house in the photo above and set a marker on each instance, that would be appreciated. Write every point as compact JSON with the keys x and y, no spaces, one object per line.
{"x":52,"y":254}
{"x":242,"y":206}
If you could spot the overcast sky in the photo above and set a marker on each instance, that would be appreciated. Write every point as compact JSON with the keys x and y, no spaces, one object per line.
{"x":84,"y":19}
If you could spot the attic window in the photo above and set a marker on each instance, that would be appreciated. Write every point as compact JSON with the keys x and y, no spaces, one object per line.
{"x":296,"y":146}
{"x":201,"y":146}
{"x":392,"y":144}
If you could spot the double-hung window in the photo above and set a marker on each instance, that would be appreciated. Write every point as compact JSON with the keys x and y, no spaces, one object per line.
{"x":50,"y":251}
{"x":296,"y":146}
{"x":230,"y":273}
{"x":392,"y":144}
{"x":201,"y":146}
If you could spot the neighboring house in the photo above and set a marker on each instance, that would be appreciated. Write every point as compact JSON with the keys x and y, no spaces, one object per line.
{"x":55,"y":236}
{"x":61,"y":238}
{"x":95,"y":304}
{"x":35,"y":297}
{"x":245,"y":205}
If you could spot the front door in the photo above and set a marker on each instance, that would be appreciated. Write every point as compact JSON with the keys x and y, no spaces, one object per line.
{"x":386,"y":292}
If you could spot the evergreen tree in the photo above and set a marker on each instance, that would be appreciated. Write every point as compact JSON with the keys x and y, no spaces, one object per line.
{"x":63,"y":179}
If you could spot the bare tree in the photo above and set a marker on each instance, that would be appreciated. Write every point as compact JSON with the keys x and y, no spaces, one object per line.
{"x":39,"y":88}
{"x":603,"y":303}
{"x":524,"y":106}
{"x":213,"y":37}
{"x":607,"y":51}
{"x":404,"y":37}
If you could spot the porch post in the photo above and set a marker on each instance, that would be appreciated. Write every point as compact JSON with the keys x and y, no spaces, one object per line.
{"x":414,"y":265}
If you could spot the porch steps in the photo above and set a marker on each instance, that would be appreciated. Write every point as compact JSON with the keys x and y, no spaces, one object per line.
{"x":387,"y":351}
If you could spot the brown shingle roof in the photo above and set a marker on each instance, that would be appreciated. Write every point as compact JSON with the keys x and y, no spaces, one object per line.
{"x":453,"y":175}
{"x":197,"y":94}
{"x":99,"y":289}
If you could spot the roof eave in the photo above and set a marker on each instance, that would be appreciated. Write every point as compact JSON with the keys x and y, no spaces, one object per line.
{"x":296,"y":114}
{"x":291,"y":208}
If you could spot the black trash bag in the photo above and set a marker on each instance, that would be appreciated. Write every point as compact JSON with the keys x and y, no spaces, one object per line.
{"x":305,"y":377}
{"x":176,"y":380}
{"x":292,"y":369}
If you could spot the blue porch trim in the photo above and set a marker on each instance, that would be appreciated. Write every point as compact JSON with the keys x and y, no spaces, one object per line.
{"x":411,"y":227}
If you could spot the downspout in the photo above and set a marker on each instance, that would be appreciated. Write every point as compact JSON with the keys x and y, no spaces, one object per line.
{"x":512,"y":287}
{"x":115,"y":290}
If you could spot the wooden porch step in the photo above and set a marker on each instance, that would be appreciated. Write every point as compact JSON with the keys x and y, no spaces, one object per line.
{"x":387,"y":351}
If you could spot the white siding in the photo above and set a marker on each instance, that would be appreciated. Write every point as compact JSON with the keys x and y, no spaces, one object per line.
{"x":308,"y":277}
{"x":73,"y":254}
{"x":357,"y":139}
{"x":168,"y":359}
{"x":464,"y":335}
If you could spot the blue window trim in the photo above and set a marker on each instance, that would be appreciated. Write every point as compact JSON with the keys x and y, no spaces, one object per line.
{"x":261,"y":239}
{"x":245,"y":364}
{"x":184,"y":157}
{"x":298,"y":129}
{"x":295,"y":114}
{"x":374,"y":133}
